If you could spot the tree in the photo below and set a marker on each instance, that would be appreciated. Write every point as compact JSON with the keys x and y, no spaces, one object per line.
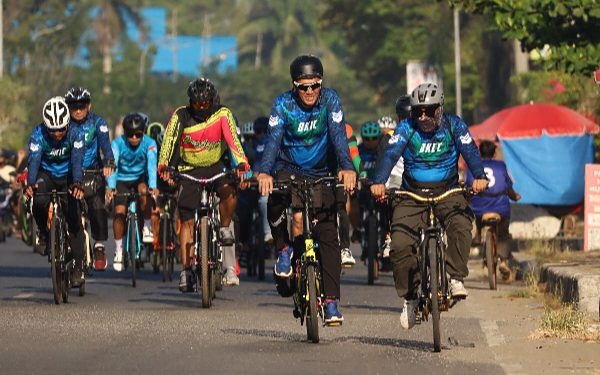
{"x":569,"y":27}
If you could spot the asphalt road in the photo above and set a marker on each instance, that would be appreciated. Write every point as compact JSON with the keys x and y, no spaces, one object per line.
{"x":155,"y":329}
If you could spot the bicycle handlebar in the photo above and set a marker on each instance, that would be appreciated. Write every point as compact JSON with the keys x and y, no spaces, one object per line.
{"x":431,"y":199}
{"x":202,"y":181}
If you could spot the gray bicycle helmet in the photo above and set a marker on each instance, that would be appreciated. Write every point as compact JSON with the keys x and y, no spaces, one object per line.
{"x":427,"y":94}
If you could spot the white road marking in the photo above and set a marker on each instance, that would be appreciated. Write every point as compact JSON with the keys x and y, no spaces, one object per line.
{"x":23,"y":295}
{"x":492,"y":332}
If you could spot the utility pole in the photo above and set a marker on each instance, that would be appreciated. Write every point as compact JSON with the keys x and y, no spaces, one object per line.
{"x":258,"y":56}
{"x":457,"y":63}
{"x":205,"y":46}
{"x":1,"y":41}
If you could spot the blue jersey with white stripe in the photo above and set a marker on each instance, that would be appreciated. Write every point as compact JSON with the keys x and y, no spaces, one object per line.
{"x":133,"y":163}
{"x":57,"y":158}
{"x":306,"y":140}
{"x":96,"y":136}
{"x":430,"y":157}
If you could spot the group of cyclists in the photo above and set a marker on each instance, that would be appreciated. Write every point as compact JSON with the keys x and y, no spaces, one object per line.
{"x":305,"y":135}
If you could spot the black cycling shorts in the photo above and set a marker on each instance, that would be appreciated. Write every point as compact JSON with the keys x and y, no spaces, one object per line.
{"x":126,"y":186}
{"x":188,"y":199}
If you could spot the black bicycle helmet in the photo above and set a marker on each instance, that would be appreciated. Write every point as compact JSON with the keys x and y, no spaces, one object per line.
{"x":261,"y":124}
{"x":78,"y":94}
{"x":202,"y":90}
{"x":135,"y":121}
{"x":306,"y":66}
{"x":403,"y":106}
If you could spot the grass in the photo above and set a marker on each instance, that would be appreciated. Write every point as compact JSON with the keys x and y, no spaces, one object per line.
{"x":521,"y":293}
{"x":565,"y":321}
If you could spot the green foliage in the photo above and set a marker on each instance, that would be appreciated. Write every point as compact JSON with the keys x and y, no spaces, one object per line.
{"x":569,"y":27}
{"x":13,"y":111}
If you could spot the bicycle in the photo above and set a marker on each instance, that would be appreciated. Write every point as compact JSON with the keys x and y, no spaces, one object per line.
{"x":434,"y":294}
{"x":61,"y":261}
{"x":133,"y":243}
{"x":257,"y":248}
{"x":489,"y":222}
{"x":168,"y":239}
{"x":306,"y":281}
{"x":371,"y":241}
{"x":207,"y":258}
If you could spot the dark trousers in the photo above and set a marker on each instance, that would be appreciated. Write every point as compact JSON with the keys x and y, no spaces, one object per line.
{"x":70,"y":206}
{"x":455,"y":216}
{"x":97,"y":213}
{"x":325,"y":233}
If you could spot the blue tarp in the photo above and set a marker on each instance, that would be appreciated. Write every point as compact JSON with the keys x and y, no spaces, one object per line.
{"x":549,"y":170}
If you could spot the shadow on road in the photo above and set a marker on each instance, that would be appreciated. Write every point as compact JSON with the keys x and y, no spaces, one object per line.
{"x":25,"y":271}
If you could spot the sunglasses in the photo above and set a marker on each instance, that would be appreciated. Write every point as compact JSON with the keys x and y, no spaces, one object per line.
{"x":306,"y":86}
{"x":77,"y":105}
{"x":53,"y":131}
{"x":429,"y":111}
{"x":135,"y":135}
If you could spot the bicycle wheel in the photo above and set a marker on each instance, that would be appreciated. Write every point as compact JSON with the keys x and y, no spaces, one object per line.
{"x":434,"y":288}
{"x":312,"y":318}
{"x":55,"y":261}
{"x":490,"y":258}
{"x":204,"y":269}
{"x":164,"y":239}
{"x":66,"y":279}
{"x":131,"y":239}
{"x":371,"y":243}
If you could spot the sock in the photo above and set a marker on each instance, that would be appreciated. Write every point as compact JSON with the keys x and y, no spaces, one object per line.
{"x":147,"y":223}
{"x":119,"y":244}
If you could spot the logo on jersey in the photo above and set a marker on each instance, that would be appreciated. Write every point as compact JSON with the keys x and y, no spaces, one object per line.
{"x":58,"y":151}
{"x":466,"y":139}
{"x":431,"y":148}
{"x":260,"y":148}
{"x":304,"y":127}
{"x":104,"y":128}
{"x":273,"y":120}
{"x":394,"y":139}
{"x":78,"y":144}
{"x":337,"y":116}
{"x":34,"y":147}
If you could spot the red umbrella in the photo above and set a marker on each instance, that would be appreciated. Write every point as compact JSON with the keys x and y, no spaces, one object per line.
{"x":533,"y":120}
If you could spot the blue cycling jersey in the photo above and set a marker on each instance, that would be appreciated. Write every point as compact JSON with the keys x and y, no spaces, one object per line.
{"x":368,"y":159}
{"x":96,"y":138}
{"x":305,"y":140}
{"x":57,"y":158}
{"x":133,"y":163}
{"x":430,"y":157}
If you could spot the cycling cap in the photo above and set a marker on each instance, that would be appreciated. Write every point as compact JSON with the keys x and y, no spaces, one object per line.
{"x":427,"y":94}
{"x":78,"y":94}
{"x":370,"y":129}
{"x":56,"y":113}
{"x":306,"y":66}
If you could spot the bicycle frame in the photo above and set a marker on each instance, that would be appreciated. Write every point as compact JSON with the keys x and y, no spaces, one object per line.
{"x":132,"y":217}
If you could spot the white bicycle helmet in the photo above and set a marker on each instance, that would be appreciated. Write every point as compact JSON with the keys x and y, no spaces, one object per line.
{"x":248,"y":128}
{"x":56,"y":113}
{"x":387,"y":123}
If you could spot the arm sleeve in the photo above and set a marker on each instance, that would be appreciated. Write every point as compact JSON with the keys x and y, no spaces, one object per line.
{"x":77,"y":154}
{"x":354,"y":154}
{"x":35,"y":157}
{"x":152,"y":156}
{"x":112,"y":179}
{"x":274,"y":136}
{"x":467,"y":148}
{"x":169,"y":151}
{"x":230,"y":134}
{"x":337,"y":133}
{"x":104,"y":141}
{"x":393,"y":151}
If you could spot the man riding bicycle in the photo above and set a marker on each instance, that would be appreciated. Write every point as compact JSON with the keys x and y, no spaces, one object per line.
{"x":96,"y":138}
{"x":195,"y":142}
{"x":135,"y":158}
{"x":55,"y":162}
{"x":430,"y":142}
{"x":307,"y":138}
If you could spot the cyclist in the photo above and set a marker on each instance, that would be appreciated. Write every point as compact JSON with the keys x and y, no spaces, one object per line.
{"x":156,"y":131}
{"x":306,"y":128}
{"x":135,"y":159}
{"x":261,"y":125}
{"x":55,"y":163}
{"x":495,"y":199}
{"x":95,"y":132}
{"x":195,"y":142}
{"x":430,"y":142}
{"x":344,"y":203}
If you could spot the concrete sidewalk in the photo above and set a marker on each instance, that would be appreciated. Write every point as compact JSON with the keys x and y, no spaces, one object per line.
{"x":576,"y":281}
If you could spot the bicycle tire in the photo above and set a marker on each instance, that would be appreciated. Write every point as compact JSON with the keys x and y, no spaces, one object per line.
{"x":434,"y":288}
{"x":54,"y":262}
{"x":312,"y":318}
{"x":66,"y":281}
{"x":164,"y":236}
{"x":204,"y":269}
{"x":491,"y":258}
{"x":371,"y":244}
{"x":171,"y":255}
{"x":131,"y":238}
{"x":260,"y":253}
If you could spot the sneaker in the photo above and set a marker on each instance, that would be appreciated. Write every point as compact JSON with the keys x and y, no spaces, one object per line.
{"x":283,"y":266}
{"x":147,"y":235}
{"x":231,"y":278}
{"x":41,"y":247}
{"x":356,"y":236}
{"x":408,"y":317}
{"x":99,"y":257}
{"x":186,"y":283}
{"x":118,"y":261}
{"x":387,"y":246}
{"x":226,"y":236}
{"x":347,"y":258}
{"x":457,"y":289}
{"x":77,"y":278}
{"x":333,"y":316}
{"x":269,"y":238}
